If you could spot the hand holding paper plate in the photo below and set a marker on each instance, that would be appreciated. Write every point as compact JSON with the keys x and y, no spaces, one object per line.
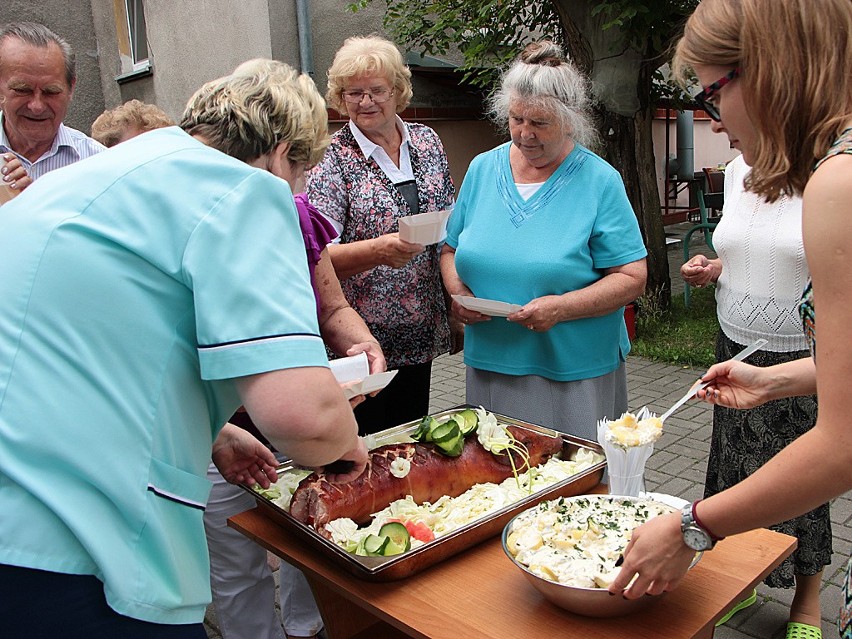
{"x":424,"y":228}
{"x":494,"y":308}
{"x":356,"y":369}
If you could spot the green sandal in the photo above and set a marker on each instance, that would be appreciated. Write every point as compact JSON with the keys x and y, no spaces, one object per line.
{"x":796,"y":630}
{"x":745,"y":603}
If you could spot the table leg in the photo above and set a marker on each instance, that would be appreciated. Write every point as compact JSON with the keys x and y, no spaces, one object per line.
{"x":346,"y":620}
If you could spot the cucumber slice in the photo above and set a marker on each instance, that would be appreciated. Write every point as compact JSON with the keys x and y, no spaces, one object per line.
{"x":464,"y":429}
{"x":425,"y":428}
{"x":471,"y":420}
{"x":375,"y":544}
{"x":452,"y":447}
{"x":398,"y":535}
{"x":392,"y":549}
{"x":445,"y":432}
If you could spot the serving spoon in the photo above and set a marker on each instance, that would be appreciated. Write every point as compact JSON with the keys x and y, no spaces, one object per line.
{"x":758,"y":344}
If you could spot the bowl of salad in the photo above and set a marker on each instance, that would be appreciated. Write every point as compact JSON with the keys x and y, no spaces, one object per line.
{"x":569,"y":548}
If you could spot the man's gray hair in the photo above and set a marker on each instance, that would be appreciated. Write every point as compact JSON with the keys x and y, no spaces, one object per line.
{"x":39,"y":35}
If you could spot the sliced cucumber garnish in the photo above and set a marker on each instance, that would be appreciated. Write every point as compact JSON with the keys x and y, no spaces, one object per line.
{"x":398,"y":535}
{"x":375,"y":544}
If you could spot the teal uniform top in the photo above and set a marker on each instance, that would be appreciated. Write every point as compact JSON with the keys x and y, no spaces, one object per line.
{"x":119,"y":341}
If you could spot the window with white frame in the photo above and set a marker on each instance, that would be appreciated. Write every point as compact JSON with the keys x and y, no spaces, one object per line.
{"x":137,"y":32}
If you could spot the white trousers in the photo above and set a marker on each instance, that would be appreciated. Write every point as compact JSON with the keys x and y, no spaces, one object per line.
{"x":242,"y":583}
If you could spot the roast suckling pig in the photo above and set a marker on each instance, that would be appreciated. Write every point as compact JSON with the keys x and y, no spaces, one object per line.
{"x":317,"y":501}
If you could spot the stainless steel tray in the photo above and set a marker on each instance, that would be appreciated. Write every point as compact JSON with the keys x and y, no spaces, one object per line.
{"x":417,"y":559}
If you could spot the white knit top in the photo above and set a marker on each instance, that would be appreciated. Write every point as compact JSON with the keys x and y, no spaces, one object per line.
{"x":763,"y":266}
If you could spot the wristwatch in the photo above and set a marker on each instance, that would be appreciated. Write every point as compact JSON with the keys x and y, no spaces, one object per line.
{"x":695,"y":536}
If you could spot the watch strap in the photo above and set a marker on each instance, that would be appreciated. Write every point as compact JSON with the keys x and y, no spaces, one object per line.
{"x":701,"y":525}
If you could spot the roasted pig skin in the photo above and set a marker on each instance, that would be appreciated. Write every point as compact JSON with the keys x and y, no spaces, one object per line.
{"x":317,"y":501}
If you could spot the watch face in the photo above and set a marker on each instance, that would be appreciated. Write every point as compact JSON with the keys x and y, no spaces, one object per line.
{"x":697,"y":539}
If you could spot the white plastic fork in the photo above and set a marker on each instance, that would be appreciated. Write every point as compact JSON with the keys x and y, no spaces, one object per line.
{"x":694,"y":390}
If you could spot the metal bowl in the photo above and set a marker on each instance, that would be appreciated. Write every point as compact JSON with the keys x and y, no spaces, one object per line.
{"x":589,"y":602}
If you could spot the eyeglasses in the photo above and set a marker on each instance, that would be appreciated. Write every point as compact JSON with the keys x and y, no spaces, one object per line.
{"x":377,"y":96}
{"x":704,"y":98}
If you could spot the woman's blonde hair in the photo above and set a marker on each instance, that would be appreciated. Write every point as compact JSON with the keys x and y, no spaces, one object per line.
{"x":133,"y":116}
{"x":368,"y":55}
{"x":262,"y":104}
{"x":795,"y":57}
{"x":541,"y":77}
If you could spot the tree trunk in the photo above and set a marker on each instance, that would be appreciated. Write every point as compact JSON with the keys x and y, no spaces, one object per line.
{"x":621,"y":79}
{"x":629,"y":148}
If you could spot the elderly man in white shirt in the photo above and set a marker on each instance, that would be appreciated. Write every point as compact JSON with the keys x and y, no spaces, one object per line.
{"x":37,"y":80}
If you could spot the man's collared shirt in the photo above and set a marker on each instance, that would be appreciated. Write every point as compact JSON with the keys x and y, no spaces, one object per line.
{"x":69,"y":146}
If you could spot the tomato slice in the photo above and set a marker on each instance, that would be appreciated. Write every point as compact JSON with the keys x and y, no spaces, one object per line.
{"x":416,"y":529}
{"x":419,"y":530}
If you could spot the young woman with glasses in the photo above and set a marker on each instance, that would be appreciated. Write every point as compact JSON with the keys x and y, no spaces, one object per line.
{"x":790,"y":107}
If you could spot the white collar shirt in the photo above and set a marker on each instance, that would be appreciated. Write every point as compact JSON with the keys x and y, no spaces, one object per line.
{"x":396,"y":174}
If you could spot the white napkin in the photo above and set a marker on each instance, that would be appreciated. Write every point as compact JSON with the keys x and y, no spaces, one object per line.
{"x":356,"y":369}
{"x":626,"y":466}
{"x":350,"y":369}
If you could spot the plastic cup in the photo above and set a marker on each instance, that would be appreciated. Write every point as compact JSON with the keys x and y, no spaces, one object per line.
{"x":630,"y":486}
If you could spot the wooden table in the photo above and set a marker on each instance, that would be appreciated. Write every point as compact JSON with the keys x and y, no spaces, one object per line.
{"x":478,"y":593}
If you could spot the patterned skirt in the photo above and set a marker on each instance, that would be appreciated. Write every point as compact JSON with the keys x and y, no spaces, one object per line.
{"x":744,"y":440}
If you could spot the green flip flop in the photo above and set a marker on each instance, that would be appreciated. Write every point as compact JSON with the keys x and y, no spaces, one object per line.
{"x":745,"y":603}
{"x":796,"y":630}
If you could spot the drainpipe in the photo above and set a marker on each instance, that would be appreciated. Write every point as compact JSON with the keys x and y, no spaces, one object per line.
{"x":685,"y":160}
{"x":303,"y":20}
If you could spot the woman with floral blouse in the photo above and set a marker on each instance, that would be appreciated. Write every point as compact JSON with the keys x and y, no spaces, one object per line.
{"x":376,"y":170}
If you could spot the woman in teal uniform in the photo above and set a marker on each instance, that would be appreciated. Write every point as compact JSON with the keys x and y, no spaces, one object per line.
{"x":121,"y":357}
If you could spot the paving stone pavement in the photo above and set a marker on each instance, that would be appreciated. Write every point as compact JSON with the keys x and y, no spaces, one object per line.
{"x":677,"y":468}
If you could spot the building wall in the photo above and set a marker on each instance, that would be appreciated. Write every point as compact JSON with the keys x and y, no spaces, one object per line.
{"x":189,"y":47}
{"x":710,"y":150}
{"x":463,"y":141}
{"x":332,"y":24}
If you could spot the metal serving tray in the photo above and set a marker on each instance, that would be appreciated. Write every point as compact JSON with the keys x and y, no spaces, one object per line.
{"x":417,"y":559}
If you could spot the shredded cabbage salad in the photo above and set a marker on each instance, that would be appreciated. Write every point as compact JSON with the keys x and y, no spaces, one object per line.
{"x":450,"y":513}
{"x":281,"y":492}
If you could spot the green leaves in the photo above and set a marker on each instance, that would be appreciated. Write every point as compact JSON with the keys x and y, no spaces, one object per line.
{"x":488,"y":35}
{"x":646,"y":25}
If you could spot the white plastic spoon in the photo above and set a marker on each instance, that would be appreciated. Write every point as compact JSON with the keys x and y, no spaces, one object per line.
{"x":692,"y":391}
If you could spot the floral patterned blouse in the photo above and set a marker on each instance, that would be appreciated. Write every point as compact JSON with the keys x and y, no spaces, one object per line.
{"x":843,"y":144}
{"x":404,"y":308}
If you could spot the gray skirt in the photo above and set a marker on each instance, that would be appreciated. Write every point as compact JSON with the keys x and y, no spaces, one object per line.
{"x":569,"y":407}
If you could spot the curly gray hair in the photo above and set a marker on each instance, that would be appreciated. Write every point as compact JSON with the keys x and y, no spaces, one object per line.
{"x":542,"y":77}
